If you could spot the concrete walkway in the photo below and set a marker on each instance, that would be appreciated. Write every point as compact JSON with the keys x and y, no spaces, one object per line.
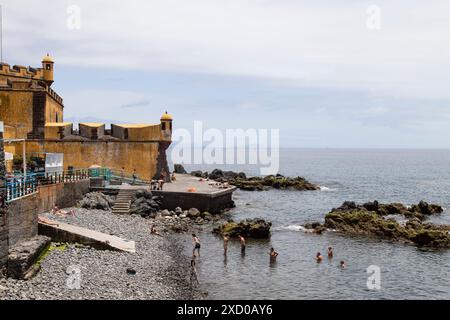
{"x":63,"y":232}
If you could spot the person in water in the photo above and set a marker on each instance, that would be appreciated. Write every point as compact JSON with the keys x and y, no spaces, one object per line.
{"x":342,"y":265}
{"x":319,"y":257}
{"x":225,"y":244}
{"x":273,"y":255}
{"x":196,"y":242}
{"x":242,"y":240}
{"x":330,"y":252}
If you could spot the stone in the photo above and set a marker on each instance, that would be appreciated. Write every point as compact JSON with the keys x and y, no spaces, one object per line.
{"x":96,"y":200}
{"x":178,"y":168}
{"x":249,"y":228}
{"x":165,"y":213}
{"x":193,"y":213}
{"x":178,"y":210}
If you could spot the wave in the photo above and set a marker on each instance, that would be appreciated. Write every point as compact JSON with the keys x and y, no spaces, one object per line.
{"x":322,"y":188}
{"x":295,"y":227}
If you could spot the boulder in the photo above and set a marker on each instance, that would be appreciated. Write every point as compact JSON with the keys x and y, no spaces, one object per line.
{"x":193,"y":213}
{"x":96,"y":200}
{"x":145,"y":204}
{"x":249,"y":228}
{"x":178,"y":168}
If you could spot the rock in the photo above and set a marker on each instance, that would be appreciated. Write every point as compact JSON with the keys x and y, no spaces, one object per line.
{"x":315,"y":227}
{"x":131,"y":271}
{"x":249,"y":228}
{"x":193,"y":213}
{"x":178,"y":168}
{"x":165,"y":213}
{"x":178,"y":211}
{"x":96,"y":200}
{"x":370,"y":219}
{"x":145,"y":204}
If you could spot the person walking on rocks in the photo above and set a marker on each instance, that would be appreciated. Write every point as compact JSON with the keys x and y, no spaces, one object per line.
{"x":196,"y":242}
{"x":134,"y":176}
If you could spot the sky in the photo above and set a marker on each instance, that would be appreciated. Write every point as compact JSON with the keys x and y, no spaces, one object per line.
{"x":326,"y":73}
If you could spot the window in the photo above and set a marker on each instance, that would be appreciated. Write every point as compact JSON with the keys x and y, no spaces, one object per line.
{"x":163,"y":125}
{"x":48,"y":67}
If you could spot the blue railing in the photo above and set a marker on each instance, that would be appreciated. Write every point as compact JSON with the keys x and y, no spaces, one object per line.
{"x":19,"y":187}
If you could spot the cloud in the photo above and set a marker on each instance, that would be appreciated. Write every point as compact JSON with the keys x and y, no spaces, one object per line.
{"x":298,"y":43}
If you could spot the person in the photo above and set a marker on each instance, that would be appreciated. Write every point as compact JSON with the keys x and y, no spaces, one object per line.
{"x":134,"y":176}
{"x":225,"y":244}
{"x":273,"y":255}
{"x":342,"y":265}
{"x":162,"y":178}
{"x":330,"y":252}
{"x":122,"y":174}
{"x":173,"y":177}
{"x":56,"y":210}
{"x":47,"y":221}
{"x":242,"y":240}
{"x":319,"y":257}
{"x":194,"y":269}
{"x":196,"y":242}
{"x":154,"y":231}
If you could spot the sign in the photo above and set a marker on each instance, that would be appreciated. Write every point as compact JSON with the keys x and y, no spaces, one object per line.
{"x":54,"y":162}
{"x":9,"y":156}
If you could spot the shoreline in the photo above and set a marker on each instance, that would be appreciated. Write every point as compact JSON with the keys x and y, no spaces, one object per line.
{"x":161,"y":269}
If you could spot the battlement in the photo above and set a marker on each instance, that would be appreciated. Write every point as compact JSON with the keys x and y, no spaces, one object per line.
{"x":21,"y":72}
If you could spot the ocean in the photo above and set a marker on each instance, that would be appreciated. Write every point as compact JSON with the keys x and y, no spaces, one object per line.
{"x":360,"y":175}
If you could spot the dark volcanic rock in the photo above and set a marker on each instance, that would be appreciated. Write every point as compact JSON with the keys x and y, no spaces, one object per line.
{"x":178,"y":168}
{"x":145,"y":204}
{"x":240,"y":180}
{"x":249,"y":228}
{"x":370,"y":219}
{"x":96,"y":200}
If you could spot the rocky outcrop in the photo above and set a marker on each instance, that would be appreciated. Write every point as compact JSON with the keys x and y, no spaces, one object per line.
{"x":145,"y":204}
{"x":179,"y":169}
{"x":240,"y":180}
{"x":96,"y":200}
{"x":420,"y":210}
{"x":249,"y":228}
{"x":372,"y":219}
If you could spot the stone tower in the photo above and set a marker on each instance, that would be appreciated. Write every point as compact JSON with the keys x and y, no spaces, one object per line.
{"x":47,"y":65}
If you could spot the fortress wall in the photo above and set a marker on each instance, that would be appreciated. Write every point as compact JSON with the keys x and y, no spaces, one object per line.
{"x":16,"y":110}
{"x":53,"y":110}
{"x":131,"y":155}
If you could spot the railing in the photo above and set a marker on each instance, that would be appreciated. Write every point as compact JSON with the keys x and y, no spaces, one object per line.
{"x":20,"y":186}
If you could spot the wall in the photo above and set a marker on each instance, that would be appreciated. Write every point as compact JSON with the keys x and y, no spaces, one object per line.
{"x":141,"y":156}
{"x":16,"y":110}
{"x":137,"y":132}
{"x":212,"y":203}
{"x":4,"y":246}
{"x":23,"y":222}
{"x":53,"y":110}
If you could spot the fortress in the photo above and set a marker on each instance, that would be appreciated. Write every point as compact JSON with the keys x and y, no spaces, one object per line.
{"x":33,"y":116}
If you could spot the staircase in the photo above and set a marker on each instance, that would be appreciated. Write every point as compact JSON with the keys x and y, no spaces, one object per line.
{"x":123,"y":201}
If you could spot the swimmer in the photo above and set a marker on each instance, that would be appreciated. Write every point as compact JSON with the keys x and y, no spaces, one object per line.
{"x":342,"y":265}
{"x":273,"y":254}
{"x":242,"y":240}
{"x":319,"y":257}
{"x":330,"y":252}
{"x":225,"y":244}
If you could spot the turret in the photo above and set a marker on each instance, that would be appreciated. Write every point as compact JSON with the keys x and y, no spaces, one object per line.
{"x":47,"y":65}
{"x":166,"y":126}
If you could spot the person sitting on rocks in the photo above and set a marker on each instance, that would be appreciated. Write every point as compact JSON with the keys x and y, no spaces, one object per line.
{"x":330,"y":252}
{"x":319,"y":257}
{"x":273,"y":255}
{"x":56,"y":210}
{"x":173,"y":178}
{"x":154,"y":231}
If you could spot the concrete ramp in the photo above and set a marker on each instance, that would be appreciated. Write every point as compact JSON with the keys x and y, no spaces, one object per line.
{"x":63,"y":232}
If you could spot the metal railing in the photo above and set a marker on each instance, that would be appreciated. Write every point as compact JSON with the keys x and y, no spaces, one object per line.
{"x":20,"y":186}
